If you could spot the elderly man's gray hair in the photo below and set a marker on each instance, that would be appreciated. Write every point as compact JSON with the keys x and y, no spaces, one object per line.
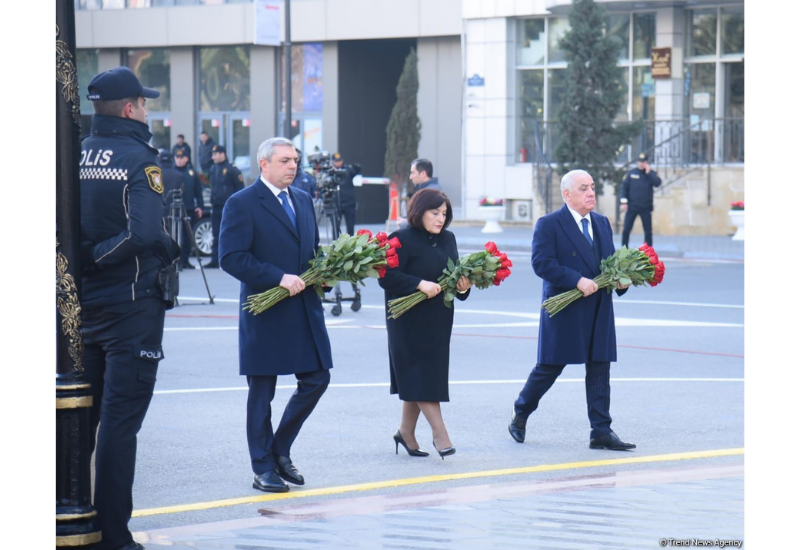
{"x":568,"y":180}
{"x":267,"y":149}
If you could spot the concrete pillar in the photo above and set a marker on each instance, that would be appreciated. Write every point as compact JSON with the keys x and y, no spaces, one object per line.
{"x":183,"y":98}
{"x":670,"y":25}
{"x":263,"y":100}
{"x":330,"y":97}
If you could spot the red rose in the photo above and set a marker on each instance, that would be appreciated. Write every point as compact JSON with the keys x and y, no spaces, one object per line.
{"x":381,"y":271}
{"x":496,"y":281}
{"x":364,"y":232}
{"x":394,"y":242}
{"x":392,"y":261}
{"x":391,"y":253}
{"x":506,"y":263}
{"x":653,"y":258}
{"x":491,"y":247}
{"x":502,"y":273}
{"x":501,"y":256}
{"x":381,"y":237}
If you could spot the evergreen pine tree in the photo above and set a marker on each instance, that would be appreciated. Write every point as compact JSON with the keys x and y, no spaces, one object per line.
{"x":595,"y":93}
{"x":403,"y":130}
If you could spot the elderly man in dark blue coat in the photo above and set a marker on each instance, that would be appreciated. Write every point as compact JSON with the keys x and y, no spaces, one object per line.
{"x":268,"y":235}
{"x":568,"y":246}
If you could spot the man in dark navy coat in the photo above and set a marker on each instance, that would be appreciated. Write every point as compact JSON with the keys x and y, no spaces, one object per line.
{"x":568,"y":246}
{"x":269,"y":233}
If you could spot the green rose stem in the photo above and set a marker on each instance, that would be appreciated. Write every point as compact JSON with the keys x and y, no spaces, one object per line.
{"x":557,"y":303}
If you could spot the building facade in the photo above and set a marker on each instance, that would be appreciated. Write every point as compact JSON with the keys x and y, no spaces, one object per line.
{"x":491,"y":80}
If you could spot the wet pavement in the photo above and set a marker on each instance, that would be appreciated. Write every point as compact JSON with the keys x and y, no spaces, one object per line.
{"x":622,"y":510}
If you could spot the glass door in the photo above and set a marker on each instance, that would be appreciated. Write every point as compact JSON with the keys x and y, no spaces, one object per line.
{"x":231,"y":130}
{"x":159,"y":124}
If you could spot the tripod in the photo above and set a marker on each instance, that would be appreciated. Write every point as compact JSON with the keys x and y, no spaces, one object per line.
{"x":327,"y":208}
{"x":177,"y":214}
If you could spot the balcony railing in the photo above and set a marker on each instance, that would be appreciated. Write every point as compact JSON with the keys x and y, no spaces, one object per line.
{"x":676,"y":142}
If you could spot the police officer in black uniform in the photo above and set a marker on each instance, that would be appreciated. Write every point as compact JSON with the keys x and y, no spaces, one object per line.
{"x":171,"y":179}
{"x":636,"y":198}
{"x":192,"y":194}
{"x":303,"y":180}
{"x":125,"y":253}
{"x":225,"y":179}
{"x":347,"y":192}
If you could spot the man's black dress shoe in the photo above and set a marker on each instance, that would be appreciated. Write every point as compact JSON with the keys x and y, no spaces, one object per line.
{"x":287,"y":470}
{"x":270,"y":482}
{"x":517,"y":428}
{"x":611,"y":442}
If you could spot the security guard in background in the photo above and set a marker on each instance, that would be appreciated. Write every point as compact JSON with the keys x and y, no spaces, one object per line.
{"x":192,"y":192}
{"x":303,"y":180}
{"x":128,"y":263}
{"x":347,"y":192}
{"x":636,"y":199}
{"x":225,"y":180}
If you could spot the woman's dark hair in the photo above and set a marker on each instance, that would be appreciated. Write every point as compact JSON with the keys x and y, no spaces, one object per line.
{"x":424,"y":200}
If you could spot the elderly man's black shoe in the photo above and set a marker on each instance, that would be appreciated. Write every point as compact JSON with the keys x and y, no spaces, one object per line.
{"x":287,"y":470}
{"x":517,"y":428}
{"x":270,"y":482}
{"x":611,"y":442}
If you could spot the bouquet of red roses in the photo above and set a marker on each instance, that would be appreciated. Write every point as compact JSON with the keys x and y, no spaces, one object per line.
{"x":347,"y":258}
{"x":627,"y":266}
{"x":484,"y":269}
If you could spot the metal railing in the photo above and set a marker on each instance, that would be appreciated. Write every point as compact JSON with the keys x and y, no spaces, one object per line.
{"x":676,"y":148}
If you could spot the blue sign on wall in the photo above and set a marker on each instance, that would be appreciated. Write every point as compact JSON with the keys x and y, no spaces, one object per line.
{"x":475,"y":80}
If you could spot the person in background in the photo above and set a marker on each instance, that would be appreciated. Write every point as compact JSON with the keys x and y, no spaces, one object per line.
{"x":225,"y":180}
{"x":303,"y":180}
{"x":636,"y":199}
{"x":192,"y":194}
{"x":347,"y":191}
{"x":181,"y":144}
{"x":204,"y":152}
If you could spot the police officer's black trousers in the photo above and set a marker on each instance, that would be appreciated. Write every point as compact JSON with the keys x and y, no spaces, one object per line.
{"x":122,"y":348}
{"x":598,"y":393}
{"x":262,"y":442}
{"x":349,"y":213}
{"x":647,"y":225}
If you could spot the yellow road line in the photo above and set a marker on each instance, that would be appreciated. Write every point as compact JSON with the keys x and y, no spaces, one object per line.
{"x":434,"y":479}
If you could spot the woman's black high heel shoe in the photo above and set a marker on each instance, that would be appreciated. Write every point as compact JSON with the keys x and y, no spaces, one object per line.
{"x":444,"y":452}
{"x":398,"y":440}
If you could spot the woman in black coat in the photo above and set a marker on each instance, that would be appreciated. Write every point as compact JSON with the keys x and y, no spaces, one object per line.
{"x":419,"y":341}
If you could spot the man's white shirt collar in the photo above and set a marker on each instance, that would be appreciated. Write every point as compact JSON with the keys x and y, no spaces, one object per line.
{"x":577,"y":217}
{"x":277,"y":192}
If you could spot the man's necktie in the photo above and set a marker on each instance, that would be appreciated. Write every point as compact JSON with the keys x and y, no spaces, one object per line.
{"x":284,"y":196}
{"x":585,"y":224}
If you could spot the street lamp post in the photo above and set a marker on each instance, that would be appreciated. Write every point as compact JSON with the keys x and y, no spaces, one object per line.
{"x":75,"y":516}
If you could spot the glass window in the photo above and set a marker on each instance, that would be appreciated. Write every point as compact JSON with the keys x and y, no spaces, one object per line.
{"x":530,"y":90}
{"x":703,"y":32}
{"x":733,"y":30}
{"x":151,"y":66}
{"x":113,"y":4}
{"x":225,"y":79}
{"x":531,"y":46}
{"x":89,"y":4}
{"x":702,"y":83}
{"x":86,"y":65}
{"x":306,"y":78}
{"x":620,"y":26}
{"x":644,"y":34}
{"x":558,"y":28}
{"x":556,"y":87}
{"x":160,"y":131}
{"x":644,"y":94}
{"x":734,"y":96}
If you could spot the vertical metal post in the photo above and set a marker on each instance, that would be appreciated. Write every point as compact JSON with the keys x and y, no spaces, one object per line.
{"x":75,"y":516}
{"x":287,"y":56}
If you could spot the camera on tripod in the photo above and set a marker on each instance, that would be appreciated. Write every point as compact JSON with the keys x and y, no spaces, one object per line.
{"x":328,"y":178}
